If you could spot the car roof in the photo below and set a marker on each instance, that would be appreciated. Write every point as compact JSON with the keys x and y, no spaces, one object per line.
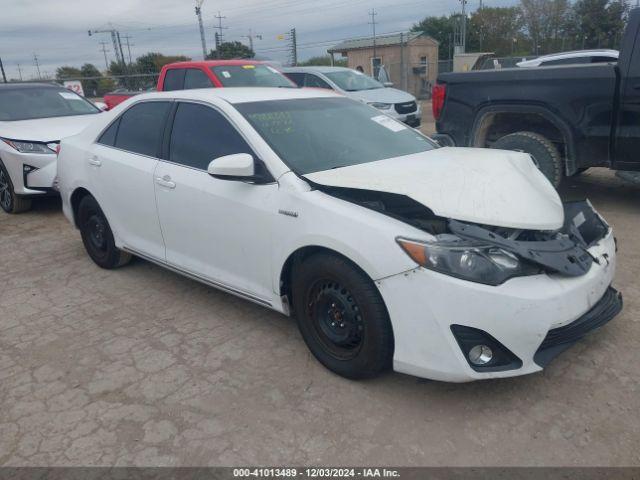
{"x":212,"y":63}
{"x":20,"y":85}
{"x":316,"y":69}
{"x":236,"y":95}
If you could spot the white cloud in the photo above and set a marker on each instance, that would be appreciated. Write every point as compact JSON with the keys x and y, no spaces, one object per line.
{"x":56,"y":30}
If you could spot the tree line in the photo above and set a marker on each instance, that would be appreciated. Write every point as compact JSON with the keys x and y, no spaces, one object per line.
{"x":533,"y":27}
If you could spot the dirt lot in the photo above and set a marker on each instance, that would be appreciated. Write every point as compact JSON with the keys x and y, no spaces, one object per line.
{"x":142,"y":366}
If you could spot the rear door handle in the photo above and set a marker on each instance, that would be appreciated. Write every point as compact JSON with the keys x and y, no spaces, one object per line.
{"x":165,"y":182}
{"x":95,"y":161}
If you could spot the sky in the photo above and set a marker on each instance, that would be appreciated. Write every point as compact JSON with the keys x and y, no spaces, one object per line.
{"x":56,"y":31}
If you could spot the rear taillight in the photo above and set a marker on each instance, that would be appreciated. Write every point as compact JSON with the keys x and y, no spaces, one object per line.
{"x":438,"y":95}
{"x":58,"y":149}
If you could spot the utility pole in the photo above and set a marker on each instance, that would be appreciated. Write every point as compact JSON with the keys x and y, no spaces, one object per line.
{"x":250,"y":37}
{"x":463,"y":26}
{"x":129,"y":45}
{"x":120,"y":48}
{"x":115,"y":39}
{"x":481,"y":24}
{"x":104,"y":51}
{"x":220,"y":28}
{"x":19,"y":71}
{"x":201,"y":26}
{"x":373,"y":24}
{"x":294,"y":48}
{"x":4,"y":77}
{"x":35,"y":59}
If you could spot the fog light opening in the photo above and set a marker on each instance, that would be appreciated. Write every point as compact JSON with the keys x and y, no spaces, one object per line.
{"x":480,"y":355}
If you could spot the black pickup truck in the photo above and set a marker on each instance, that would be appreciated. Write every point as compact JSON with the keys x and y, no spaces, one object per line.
{"x":568,"y":118}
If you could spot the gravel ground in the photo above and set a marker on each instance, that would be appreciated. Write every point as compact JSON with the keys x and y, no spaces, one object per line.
{"x":140,"y":366}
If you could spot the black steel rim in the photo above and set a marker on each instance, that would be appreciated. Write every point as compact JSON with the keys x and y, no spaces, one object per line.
{"x":5,"y":190}
{"x":336,"y":319}
{"x":97,"y":232}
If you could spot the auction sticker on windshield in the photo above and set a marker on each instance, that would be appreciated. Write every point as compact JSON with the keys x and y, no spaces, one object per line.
{"x":389,"y":123}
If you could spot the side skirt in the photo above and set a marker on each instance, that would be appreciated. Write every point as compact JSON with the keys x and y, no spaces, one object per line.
{"x":198,"y":278}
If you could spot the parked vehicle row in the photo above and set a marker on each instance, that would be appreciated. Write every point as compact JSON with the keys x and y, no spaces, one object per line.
{"x":354,"y":84}
{"x":568,"y":118}
{"x":33,"y":120}
{"x":363,"y":229}
{"x":324,"y":204}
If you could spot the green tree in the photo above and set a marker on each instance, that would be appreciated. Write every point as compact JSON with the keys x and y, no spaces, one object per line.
{"x":545,"y":22}
{"x":323,"y":61}
{"x":441,"y":29}
{"x":93,"y":76}
{"x":153,"y":62}
{"x":495,"y":29}
{"x":68,"y":73}
{"x":598,"y":23}
{"x":231,"y":50}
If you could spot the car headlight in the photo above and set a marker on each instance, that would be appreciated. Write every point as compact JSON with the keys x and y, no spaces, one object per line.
{"x":467,"y":260}
{"x":381,"y":106}
{"x":29,"y":147}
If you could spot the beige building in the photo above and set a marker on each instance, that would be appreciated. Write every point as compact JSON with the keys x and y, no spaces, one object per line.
{"x":410,"y":59}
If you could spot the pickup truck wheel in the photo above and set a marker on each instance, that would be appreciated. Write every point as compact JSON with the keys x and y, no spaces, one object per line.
{"x":97,"y":236}
{"x":9,"y":201}
{"x":342,"y":316}
{"x":543,"y":152}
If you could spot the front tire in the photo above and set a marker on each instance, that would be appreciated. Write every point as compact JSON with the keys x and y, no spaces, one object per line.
{"x":342,"y":316}
{"x":98,"y":237}
{"x":543,"y":152}
{"x":9,"y":201}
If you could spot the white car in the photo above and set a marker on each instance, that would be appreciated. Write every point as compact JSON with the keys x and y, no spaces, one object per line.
{"x":354,"y":84}
{"x":572,"y":58}
{"x":449,"y":263}
{"x":33,"y":119}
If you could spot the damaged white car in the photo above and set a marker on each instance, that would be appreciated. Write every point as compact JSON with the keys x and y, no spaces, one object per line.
{"x":447,"y":263}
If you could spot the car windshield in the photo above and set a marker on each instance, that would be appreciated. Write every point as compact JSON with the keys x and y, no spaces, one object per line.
{"x":250,"y":76}
{"x":25,"y":103}
{"x":315,"y":134}
{"x":353,"y":81}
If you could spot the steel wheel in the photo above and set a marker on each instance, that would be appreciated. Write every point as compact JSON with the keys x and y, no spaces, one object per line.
{"x":336,"y":318}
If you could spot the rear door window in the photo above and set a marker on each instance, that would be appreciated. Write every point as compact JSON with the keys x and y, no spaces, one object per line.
{"x":315,"y":81}
{"x":201,"y":134}
{"x":173,"y":79}
{"x":196,"y":78}
{"x":141,"y":127}
{"x":297,"y":78}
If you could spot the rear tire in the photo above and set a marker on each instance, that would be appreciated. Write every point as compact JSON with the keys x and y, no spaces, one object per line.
{"x":342,"y":316}
{"x":98,"y":237}
{"x":9,"y":201}
{"x":543,"y":152}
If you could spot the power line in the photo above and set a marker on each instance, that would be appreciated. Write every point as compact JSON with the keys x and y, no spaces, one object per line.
{"x":220,"y":28}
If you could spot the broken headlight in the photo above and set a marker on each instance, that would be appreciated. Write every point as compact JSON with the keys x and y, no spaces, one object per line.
{"x":468,"y":260}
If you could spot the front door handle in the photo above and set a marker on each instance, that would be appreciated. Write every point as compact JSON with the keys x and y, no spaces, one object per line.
{"x":165,"y":182}
{"x":95,"y":162}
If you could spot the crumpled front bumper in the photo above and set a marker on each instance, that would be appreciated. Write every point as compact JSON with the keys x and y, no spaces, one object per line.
{"x":423,"y":305}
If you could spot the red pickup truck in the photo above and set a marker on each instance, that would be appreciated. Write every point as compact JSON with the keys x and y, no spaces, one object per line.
{"x":210,"y":74}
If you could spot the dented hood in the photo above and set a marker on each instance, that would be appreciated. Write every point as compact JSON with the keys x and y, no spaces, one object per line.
{"x":486,"y":186}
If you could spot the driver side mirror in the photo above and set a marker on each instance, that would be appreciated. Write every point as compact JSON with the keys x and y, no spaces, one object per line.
{"x":239,"y":167}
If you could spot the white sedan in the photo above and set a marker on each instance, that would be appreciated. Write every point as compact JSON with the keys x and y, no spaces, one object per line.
{"x":34,"y":117}
{"x":448,"y":263}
